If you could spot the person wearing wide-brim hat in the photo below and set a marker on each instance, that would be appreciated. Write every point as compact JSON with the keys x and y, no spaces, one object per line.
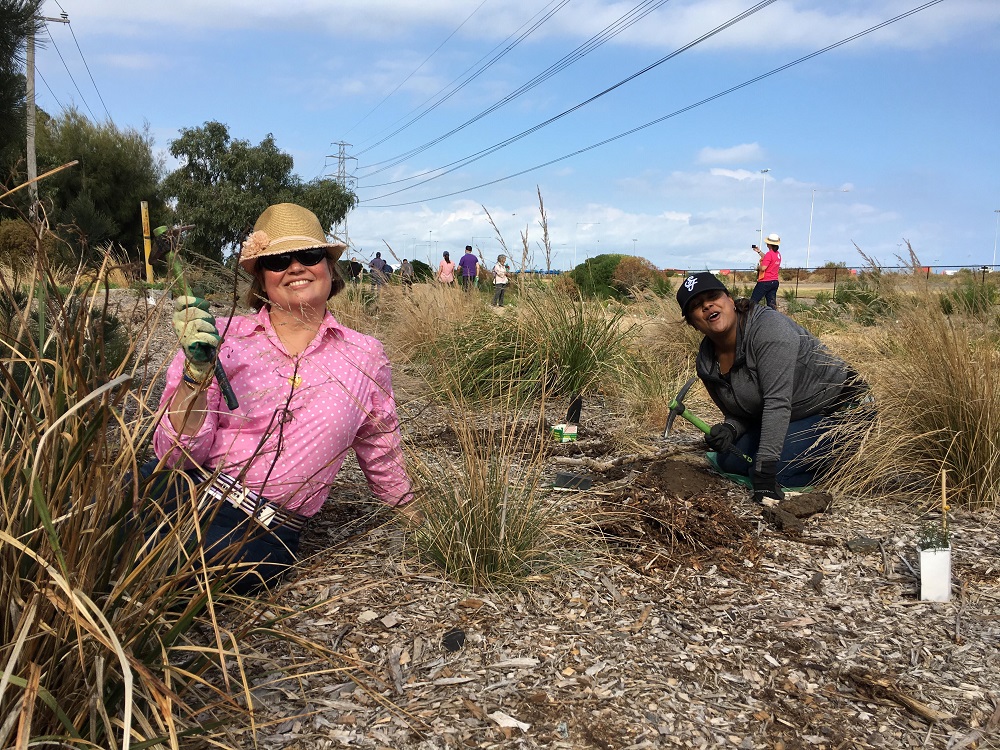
{"x":767,"y":273}
{"x":309,"y":389}
{"x":776,"y":385}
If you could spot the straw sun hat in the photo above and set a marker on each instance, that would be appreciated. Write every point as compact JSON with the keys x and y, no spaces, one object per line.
{"x":283,"y":228}
{"x":773,"y":239}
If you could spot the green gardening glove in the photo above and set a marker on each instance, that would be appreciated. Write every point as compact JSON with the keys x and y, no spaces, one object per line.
{"x":195,"y":328}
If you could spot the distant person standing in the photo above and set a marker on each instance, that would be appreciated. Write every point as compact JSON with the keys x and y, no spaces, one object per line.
{"x":379,"y":275}
{"x":767,"y":273}
{"x":406,"y":275}
{"x":470,"y":266}
{"x":499,"y":280}
{"x":446,"y":270}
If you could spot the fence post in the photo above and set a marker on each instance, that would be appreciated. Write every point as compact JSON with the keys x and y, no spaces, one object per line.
{"x":834,"y":281}
{"x":797,"y":282}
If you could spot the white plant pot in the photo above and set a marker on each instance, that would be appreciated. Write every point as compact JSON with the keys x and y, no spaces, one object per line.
{"x":935,"y":574}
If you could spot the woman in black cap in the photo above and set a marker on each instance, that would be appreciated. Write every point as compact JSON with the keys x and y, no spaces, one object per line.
{"x":773,"y":381}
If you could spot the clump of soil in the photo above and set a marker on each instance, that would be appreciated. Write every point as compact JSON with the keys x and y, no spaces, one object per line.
{"x":676,"y":511}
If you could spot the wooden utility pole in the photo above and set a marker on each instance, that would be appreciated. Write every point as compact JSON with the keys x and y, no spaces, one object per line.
{"x":29,"y":73}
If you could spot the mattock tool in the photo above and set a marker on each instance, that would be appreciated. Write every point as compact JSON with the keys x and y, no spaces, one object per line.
{"x":220,"y":374}
{"x":677,"y":408}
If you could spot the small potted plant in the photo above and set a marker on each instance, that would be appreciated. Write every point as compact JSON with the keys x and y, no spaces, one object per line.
{"x":934,"y":543}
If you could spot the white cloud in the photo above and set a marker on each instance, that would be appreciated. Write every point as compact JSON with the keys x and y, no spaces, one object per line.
{"x":795,"y":25}
{"x":745,"y":152}
{"x":735,"y":174}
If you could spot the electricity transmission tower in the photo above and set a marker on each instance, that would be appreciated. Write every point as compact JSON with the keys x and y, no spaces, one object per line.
{"x":347,"y":182}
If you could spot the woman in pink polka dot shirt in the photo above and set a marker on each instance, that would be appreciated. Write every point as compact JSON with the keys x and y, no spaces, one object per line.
{"x":309,"y":390}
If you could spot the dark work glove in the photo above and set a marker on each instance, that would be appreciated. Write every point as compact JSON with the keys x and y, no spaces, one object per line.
{"x":765,"y":482}
{"x":721,"y":437}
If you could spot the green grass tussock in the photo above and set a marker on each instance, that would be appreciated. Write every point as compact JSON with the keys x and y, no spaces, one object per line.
{"x":489,"y":521}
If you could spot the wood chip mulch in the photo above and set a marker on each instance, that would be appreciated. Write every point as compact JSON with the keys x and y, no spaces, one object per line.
{"x":696,"y":625}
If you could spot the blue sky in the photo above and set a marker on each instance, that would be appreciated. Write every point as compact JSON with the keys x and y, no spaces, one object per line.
{"x":892,"y":137}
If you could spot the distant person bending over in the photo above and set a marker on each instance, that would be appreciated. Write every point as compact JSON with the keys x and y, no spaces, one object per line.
{"x":499,"y":280}
{"x":356,"y":269}
{"x":309,"y":391}
{"x":775,"y":383}
{"x":446,"y":270}
{"x":407,"y":276}
{"x":767,"y":273}
{"x":470,"y":266}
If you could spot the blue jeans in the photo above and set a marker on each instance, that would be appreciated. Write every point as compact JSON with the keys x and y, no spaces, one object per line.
{"x":766,"y":290}
{"x":799,"y":464}
{"x":233,"y":538}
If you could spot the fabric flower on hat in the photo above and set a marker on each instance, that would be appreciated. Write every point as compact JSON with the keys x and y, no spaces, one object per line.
{"x":256,"y":243}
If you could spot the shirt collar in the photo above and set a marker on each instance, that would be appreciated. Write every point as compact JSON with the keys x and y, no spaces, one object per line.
{"x":329,"y":326}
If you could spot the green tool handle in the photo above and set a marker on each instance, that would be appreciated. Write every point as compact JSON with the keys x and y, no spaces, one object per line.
{"x":220,"y":373}
{"x":696,"y":421}
{"x":703,"y":426}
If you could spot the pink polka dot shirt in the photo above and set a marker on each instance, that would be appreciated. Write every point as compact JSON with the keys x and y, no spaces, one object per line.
{"x":297,"y":417}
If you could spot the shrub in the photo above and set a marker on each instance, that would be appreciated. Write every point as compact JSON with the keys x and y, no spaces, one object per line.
{"x":595,"y":276}
{"x":19,"y":244}
{"x":564,"y":285}
{"x":634,"y":274}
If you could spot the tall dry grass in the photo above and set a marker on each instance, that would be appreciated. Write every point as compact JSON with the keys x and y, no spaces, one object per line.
{"x":936,"y":381}
{"x":546,"y":345}
{"x":112,"y":632}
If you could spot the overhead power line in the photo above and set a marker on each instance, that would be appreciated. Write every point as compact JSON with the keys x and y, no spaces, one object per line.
{"x":110,"y":119}
{"x":82,"y":97}
{"x":533,"y":24}
{"x":633,"y":16}
{"x":492,"y":58}
{"x":416,"y":69}
{"x":51,"y":92}
{"x":448,"y":168}
{"x":675,"y":113}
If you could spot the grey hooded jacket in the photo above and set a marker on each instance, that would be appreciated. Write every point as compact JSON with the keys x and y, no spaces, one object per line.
{"x":781,"y":373}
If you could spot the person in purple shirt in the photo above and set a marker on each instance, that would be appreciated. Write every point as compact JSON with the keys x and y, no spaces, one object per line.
{"x":469,"y":264}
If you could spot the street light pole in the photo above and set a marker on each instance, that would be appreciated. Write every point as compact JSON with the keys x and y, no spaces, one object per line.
{"x":29,"y":106}
{"x":997,"y":212}
{"x":812,"y":204}
{"x":763,"y":189}
{"x":633,"y":245}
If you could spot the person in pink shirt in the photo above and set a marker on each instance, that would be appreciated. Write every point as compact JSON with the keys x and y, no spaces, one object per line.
{"x":446,"y":270}
{"x":309,"y":390}
{"x":767,"y":273}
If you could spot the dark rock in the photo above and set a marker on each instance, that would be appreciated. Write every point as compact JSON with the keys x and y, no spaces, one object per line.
{"x":863,"y":545}
{"x":782,"y":520}
{"x":453,"y":640}
{"x":809,"y":504}
{"x":567,"y":480}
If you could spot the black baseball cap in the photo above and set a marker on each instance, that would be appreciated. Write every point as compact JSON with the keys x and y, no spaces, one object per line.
{"x":695,"y":284}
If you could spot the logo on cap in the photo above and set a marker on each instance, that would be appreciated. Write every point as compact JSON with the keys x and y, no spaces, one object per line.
{"x":690,"y":282}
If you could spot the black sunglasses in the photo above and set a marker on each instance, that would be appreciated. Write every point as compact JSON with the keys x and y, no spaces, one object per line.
{"x":281,"y":261}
